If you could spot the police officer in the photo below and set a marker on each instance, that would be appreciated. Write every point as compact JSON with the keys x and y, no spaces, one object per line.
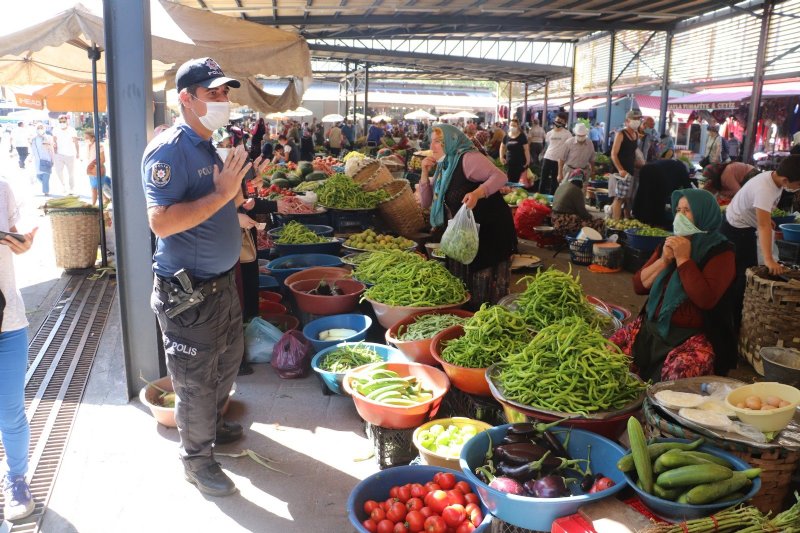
{"x":192,"y":198}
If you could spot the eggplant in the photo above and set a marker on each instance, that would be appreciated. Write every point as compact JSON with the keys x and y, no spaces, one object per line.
{"x":547,"y":487}
{"x":521,"y":429}
{"x":501,"y":483}
{"x":514,"y":438}
{"x":519,"y":453}
{"x":555,"y":445}
{"x":529,"y":470}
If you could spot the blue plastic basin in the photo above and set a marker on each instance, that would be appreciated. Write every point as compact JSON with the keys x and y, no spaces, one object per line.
{"x":682,"y":511}
{"x":330,"y":247}
{"x":333,"y":380}
{"x":323,"y":231}
{"x":376,"y":487}
{"x":283,"y":267}
{"x":359,"y":323}
{"x":791,"y":232}
{"x":539,"y":513}
{"x":267,"y":282}
{"x":644,"y":243}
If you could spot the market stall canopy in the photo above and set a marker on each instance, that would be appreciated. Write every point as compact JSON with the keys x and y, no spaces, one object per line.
{"x":51,"y":47}
{"x":29,"y":115}
{"x":465,"y":115}
{"x":335,"y":117}
{"x":419,"y":114}
{"x":70,"y":96}
{"x":730,"y":97}
{"x":448,"y":116}
{"x":378,"y":118}
{"x":299,"y":112}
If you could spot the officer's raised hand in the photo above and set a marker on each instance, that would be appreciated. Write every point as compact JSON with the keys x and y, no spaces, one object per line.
{"x":228,"y":182}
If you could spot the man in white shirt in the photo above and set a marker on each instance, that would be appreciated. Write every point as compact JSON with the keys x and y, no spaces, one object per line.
{"x":21,"y":140}
{"x":66,"y":147}
{"x":578,"y":154}
{"x":555,"y":139}
{"x":750,"y":210}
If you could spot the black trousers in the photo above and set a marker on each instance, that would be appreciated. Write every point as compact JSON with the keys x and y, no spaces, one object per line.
{"x":549,"y":181}
{"x":745,"y":245}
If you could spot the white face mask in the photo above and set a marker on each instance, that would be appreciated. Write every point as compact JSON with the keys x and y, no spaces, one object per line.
{"x":63,"y":125}
{"x":513,"y":130}
{"x":441,"y":158}
{"x":40,"y":131}
{"x":581,"y":138}
{"x":634,"y":124}
{"x":217,"y":114}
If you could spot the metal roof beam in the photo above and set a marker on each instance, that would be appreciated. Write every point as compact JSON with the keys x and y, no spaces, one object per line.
{"x":529,"y":23}
{"x":721,"y":14}
{"x":420,"y":33}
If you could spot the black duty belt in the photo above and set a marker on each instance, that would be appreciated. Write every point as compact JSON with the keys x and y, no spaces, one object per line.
{"x":184,"y":293}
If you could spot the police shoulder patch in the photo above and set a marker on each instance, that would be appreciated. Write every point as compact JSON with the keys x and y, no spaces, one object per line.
{"x":160,"y":174}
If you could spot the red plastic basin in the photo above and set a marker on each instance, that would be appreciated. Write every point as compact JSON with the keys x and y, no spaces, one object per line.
{"x":469,"y":380}
{"x":269,"y":296}
{"x":327,"y":305}
{"x":272,"y":308}
{"x":281,"y":321}
{"x":318,"y":273}
{"x":420,"y":350}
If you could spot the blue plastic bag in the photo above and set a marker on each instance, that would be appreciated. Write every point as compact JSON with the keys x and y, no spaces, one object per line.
{"x":260,"y":338}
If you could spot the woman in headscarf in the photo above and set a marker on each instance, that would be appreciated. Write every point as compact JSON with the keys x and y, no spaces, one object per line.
{"x":686,"y":326}
{"x":465,"y":176}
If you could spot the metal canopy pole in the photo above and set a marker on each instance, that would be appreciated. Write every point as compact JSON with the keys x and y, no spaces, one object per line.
{"x":94,"y":55}
{"x":610,"y":83}
{"x":130,"y":111}
{"x":346,"y":88}
{"x":572,"y":85}
{"x":545,"y":122}
{"x":662,"y":122}
{"x":525,"y":109}
{"x":497,"y":104}
{"x":758,"y":84}
{"x":509,"y":102}
{"x":366,"y":100}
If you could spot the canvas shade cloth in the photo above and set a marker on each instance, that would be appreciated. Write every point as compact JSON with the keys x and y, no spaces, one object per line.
{"x":419,"y":114}
{"x":72,"y":96}
{"x":335,"y":117}
{"x":53,"y":49}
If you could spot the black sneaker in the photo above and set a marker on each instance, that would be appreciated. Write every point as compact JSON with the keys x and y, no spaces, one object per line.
{"x":18,"y":500}
{"x":210,"y":480}
{"x":230,"y":432}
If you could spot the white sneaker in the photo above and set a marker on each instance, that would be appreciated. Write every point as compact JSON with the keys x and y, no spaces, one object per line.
{"x":18,"y":500}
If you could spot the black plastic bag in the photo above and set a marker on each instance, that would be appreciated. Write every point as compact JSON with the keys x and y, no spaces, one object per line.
{"x":291,"y":356}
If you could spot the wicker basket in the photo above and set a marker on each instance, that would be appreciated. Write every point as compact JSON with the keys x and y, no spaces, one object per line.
{"x":373,"y":176}
{"x":76,"y":236}
{"x":777,"y":464}
{"x":768,"y":317}
{"x":401,"y":211}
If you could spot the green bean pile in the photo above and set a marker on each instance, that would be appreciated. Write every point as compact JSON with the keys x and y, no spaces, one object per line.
{"x":347,"y":357}
{"x":569,"y":367}
{"x":417,"y":284}
{"x":426,"y":326}
{"x":373,"y":266}
{"x":553,"y":295}
{"x":490,"y":335}
{"x":340,"y":191}
{"x":296,"y":233}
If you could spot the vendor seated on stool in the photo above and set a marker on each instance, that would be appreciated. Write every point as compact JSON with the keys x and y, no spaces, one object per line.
{"x":686,"y":326}
{"x":569,"y":210}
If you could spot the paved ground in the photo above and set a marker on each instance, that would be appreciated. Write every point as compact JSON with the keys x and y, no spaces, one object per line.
{"x":120,"y":472}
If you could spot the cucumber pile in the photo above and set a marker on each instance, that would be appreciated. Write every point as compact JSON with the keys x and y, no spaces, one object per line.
{"x":386,"y":386}
{"x":675,"y":471}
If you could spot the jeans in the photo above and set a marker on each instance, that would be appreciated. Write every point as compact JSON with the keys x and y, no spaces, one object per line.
{"x":14,"y":428}
{"x":22,"y":152}
{"x":44,"y":179}
{"x":549,"y":180}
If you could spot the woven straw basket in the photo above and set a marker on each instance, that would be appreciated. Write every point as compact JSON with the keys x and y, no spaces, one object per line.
{"x":373,"y":176}
{"x":777,"y":464}
{"x":401,"y":211}
{"x":769,"y":317}
{"x":76,"y":236}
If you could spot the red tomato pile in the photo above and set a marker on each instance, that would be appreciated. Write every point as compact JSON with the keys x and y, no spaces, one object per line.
{"x":273,"y":191}
{"x":325,"y":164}
{"x":442,"y":505}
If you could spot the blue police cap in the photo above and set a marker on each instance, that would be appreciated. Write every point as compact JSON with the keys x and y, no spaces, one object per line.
{"x":204,"y":72}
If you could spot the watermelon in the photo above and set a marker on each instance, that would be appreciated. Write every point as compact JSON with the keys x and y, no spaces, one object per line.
{"x":305,"y":168}
{"x":316,"y":176}
{"x":283,"y":183}
{"x":278,"y":175}
{"x":294,"y":180}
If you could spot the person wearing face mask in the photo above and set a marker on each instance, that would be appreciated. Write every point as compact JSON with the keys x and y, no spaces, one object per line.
{"x":465,"y":176}
{"x":748,"y":222}
{"x":43,"y":156}
{"x":578,"y":154}
{"x":514,"y":154}
{"x":192,"y":198}
{"x":686,"y":326}
{"x":556,"y":140}
{"x":569,"y":209}
{"x":66,"y":148}
{"x":623,"y":155}
{"x":714,"y":149}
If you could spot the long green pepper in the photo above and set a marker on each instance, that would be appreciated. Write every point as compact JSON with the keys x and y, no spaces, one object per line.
{"x":340,"y":191}
{"x":418,"y":284}
{"x":490,"y":336}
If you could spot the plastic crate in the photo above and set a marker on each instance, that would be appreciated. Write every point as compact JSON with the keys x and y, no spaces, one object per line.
{"x":789,"y":251}
{"x":635,"y":259}
{"x":459,"y":403}
{"x":392,"y":447}
{"x":580,"y":251}
{"x":498,"y":526}
{"x":351,"y":221}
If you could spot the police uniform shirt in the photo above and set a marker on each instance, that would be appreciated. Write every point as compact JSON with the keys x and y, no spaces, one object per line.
{"x":177,"y":167}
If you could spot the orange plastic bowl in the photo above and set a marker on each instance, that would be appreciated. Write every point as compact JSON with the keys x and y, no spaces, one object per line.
{"x":282,"y":321}
{"x":327,"y":305}
{"x":420,"y":350}
{"x":269,"y":296}
{"x":393,"y":416}
{"x":389,"y":315}
{"x":318,"y":273}
{"x":469,"y":380}
{"x":271,"y":308}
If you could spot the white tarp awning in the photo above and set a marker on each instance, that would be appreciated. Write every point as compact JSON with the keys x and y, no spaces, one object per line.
{"x":51,"y":47}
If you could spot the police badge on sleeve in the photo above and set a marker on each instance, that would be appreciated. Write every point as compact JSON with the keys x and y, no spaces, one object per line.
{"x":160,"y":174}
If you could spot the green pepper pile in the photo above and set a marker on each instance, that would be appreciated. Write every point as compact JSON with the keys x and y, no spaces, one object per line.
{"x":426,"y":326}
{"x":296,"y":233}
{"x":490,"y":335}
{"x":416,"y":284}
{"x":341,"y":192}
{"x":553,"y":295}
{"x":347,"y":357}
{"x":569,"y":367}
{"x":373,"y":266}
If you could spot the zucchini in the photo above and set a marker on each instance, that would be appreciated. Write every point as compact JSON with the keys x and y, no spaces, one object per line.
{"x":689,"y":476}
{"x":641,"y":456}
{"x":677,"y":458}
{"x":667,"y":494}
{"x":711,"y":492}
{"x":625,"y":464}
